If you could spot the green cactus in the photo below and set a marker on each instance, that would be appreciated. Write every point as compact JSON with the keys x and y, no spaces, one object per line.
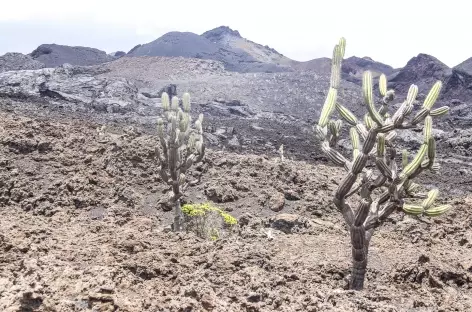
{"x":181,"y":146}
{"x":378,"y":130}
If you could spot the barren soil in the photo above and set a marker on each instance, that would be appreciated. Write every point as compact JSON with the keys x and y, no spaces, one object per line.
{"x":81,"y":229}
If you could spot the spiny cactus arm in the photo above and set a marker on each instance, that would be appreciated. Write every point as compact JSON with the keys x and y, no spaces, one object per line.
{"x":388,"y":95}
{"x":333,"y":155}
{"x":358,"y":165}
{"x":426,"y":207}
{"x":416,"y":166}
{"x":331,"y":99}
{"x":373,"y":216}
{"x":163,"y":166}
{"x":380,"y":160}
{"x":163,"y":154}
{"x":174,"y":173}
{"x":368,"y":98}
{"x":199,"y":146}
{"x":338,"y":55}
{"x":335,"y":129}
{"x":163,"y":169}
{"x":345,"y":210}
{"x":428,"y":103}
{"x":439,"y":111}
{"x":375,"y":219}
{"x":346,"y":114}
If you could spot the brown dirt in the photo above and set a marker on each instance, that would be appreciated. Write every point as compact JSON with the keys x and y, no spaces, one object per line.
{"x":81,"y":230}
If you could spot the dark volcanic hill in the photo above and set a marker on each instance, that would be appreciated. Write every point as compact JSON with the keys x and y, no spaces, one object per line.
{"x":465,"y":66}
{"x":352,"y":67}
{"x":232,"y":39}
{"x":191,"y":45}
{"x":355,"y":66}
{"x":53,"y":55}
{"x":459,"y":84}
{"x":320,"y":65}
{"x":423,"y":70}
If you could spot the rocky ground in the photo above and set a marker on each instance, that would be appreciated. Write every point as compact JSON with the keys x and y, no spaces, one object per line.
{"x":82,"y":228}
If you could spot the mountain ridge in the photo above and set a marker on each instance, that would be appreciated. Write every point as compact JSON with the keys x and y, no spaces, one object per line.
{"x":239,"y":54}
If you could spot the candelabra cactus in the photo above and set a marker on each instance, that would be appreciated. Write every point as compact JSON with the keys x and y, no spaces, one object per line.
{"x":386,"y":188}
{"x":180,"y":148}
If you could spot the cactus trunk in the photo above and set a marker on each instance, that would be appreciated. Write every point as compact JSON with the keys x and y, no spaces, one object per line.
{"x":178,"y":217}
{"x":358,"y":274}
{"x":360,"y":247}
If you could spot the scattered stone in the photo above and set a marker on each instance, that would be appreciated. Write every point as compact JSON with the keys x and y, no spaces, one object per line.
{"x":287,"y":223}
{"x":254,"y":297}
{"x":291,"y":195}
{"x":277,"y":202}
{"x":234,"y":142}
{"x":208,"y":302}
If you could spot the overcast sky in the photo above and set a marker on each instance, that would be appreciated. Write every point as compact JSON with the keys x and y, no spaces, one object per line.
{"x":391,"y":32}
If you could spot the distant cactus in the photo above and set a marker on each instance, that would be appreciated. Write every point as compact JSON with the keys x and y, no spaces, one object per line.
{"x":180,"y":148}
{"x":390,"y":185}
{"x":281,"y":153}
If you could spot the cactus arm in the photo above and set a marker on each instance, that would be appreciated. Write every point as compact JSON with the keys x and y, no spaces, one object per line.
{"x":345,"y":210}
{"x":331,"y":99}
{"x":375,"y":220}
{"x":432,"y":95}
{"x":368,"y":98}
{"x":346,"y":114}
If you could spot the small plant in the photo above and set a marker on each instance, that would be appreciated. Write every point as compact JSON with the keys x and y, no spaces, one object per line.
{"x":386,"y":187}
{"x":180,"y":148}
{"x":206,"y":220}
{"x":281,"y":153}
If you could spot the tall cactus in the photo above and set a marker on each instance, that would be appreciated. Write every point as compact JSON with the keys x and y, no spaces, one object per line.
{"x":378,"y":130}
{"x":180,"y":148}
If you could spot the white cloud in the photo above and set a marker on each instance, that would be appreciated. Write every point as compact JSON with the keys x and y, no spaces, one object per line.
{"x":391,"y":32}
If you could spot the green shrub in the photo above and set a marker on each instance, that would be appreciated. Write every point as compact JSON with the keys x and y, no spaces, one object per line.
{"x":207,"y":221}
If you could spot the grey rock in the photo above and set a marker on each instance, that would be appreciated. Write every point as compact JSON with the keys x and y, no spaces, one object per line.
{"x":170,"y":89}
{"x":212,"y":139}
{"x":64,"y":84}
{"x":289,"y":223}
{"x":18,"y":61}
{"x":276,"y":202}
{"x":231,"y":108}
{"x":234,"y":142}
{"x":292,"y":195}
{"x":118,"y":54}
